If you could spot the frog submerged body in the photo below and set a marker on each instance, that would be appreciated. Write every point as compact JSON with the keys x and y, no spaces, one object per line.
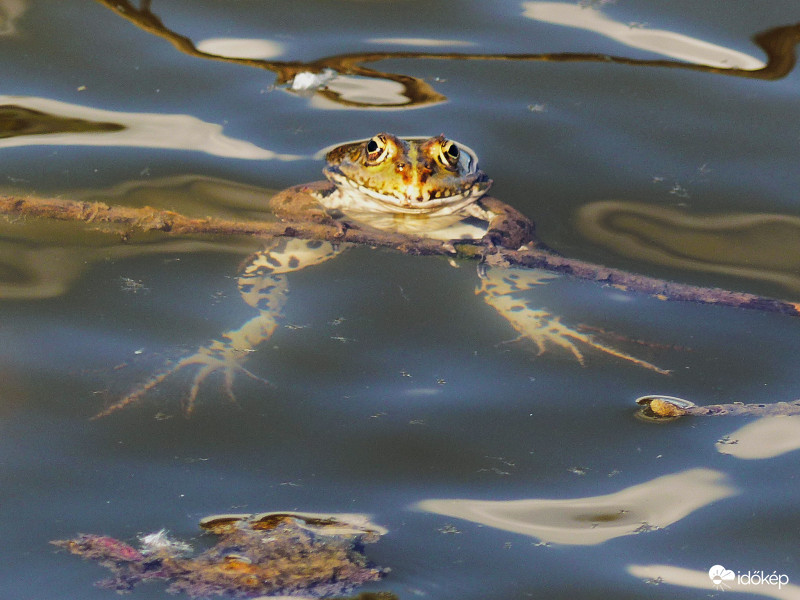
{"x":430,"y":187}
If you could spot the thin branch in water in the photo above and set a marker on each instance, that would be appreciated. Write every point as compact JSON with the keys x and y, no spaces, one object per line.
{"x":298,"y":214}
{"x":658,"y":408}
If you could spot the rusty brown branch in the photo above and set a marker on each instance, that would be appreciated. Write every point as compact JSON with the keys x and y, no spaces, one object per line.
{"x":775,"y":409}
{"x":296,"y":213}
{"x":658,"y":288}
{"x":664,"y":407}
{"x":146,"y":219}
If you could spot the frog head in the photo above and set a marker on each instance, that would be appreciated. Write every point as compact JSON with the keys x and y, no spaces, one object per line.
{"x":407,"y":175}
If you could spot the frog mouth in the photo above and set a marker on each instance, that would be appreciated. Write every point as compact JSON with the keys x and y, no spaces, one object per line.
{"x":412,"y":201}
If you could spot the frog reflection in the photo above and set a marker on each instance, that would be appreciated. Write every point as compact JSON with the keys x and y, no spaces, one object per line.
{"x":430,"y":187}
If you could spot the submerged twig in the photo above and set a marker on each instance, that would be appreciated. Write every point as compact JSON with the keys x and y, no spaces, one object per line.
{"x":667,"y":407}
{"x":298,"y":214}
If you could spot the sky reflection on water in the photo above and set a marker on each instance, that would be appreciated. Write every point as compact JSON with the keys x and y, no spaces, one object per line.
{"x":645,"y":507}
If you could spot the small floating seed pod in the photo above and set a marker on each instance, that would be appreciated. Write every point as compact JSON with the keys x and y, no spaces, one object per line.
{"x":662,"y":408}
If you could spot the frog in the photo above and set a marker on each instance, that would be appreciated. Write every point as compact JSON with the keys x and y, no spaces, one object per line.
{"x":429,"y":187}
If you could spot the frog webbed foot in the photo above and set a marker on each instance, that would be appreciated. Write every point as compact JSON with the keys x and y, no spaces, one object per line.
{"x":545,"y":330}
{"x":507,"y":291}
{"x":207,"y":361}
{"x":208,"y":365}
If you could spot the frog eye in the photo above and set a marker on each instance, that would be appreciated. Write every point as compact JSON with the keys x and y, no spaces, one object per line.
{"x":449,"y":153}
{"x":376,"y":149}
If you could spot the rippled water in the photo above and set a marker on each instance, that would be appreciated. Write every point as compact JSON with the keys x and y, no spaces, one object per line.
{"x":657,"y":137}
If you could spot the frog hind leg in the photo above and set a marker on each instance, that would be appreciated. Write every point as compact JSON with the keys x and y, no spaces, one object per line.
{"x":263,"y":285}
{"x":500,"y":289}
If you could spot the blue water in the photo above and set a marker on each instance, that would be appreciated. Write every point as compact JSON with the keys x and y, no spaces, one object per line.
{"x":392,"y":386}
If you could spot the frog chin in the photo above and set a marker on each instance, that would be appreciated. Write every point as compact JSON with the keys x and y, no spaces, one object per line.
{"x":359,"y":197}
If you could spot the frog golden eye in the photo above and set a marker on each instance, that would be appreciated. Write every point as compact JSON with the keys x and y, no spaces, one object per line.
{"x":376,"y":149}
{"x":449,"y":153}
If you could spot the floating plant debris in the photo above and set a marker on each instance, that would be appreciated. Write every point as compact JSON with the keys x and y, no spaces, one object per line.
{"x":255,"y":555}
{"x":657,"y":407}
{"x":667,"y":408}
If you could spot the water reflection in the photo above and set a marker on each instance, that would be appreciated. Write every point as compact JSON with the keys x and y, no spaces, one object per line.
{"x":194,"y":195}
{"x":415,"y":92}
{"x":765,"y":438}
{"x":424,"y":42}
{"x":41,"y":259}
{"x":347,"y":91}
{"x":362,"y":87}
{"x":596,"y":519}
{"x":666,"y":43}
{"x":10,"y":12}
{"x":761,"y":247}
{"x":32,"y":121}
{"x":19,"y":121}
{"x":242,"y":48}
{"x":700,"y":580}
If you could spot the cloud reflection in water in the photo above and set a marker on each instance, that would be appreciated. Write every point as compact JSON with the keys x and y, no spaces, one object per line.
{"x":586,"y":521}
{"x":666,"y":43}
{"x":240,"y":47}
{"x":366,"y":92}
{"x":421,"y":42}
{"x":48,"y":122}
{"x":766,"y":438}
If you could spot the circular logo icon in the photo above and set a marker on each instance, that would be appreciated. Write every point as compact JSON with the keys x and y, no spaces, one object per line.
{"x":720,"y":574}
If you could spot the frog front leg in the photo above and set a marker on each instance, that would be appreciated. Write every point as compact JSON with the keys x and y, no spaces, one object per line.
{"x":263,"y":285}
{"x":507,"y":227}
{"x":501,"y":289}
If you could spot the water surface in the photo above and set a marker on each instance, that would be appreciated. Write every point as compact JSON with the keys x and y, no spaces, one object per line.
{"x":496,"y":471}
